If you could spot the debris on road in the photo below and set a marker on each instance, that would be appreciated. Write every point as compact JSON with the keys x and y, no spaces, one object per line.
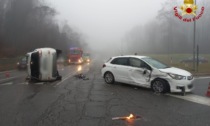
{"x":130,"y":117}
{"x":81,"y":76}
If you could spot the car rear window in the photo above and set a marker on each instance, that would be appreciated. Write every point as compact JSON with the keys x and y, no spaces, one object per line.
{"x":120,"y":61}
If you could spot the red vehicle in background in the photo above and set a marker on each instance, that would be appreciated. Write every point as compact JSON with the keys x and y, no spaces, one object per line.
{"x":75,"y":56}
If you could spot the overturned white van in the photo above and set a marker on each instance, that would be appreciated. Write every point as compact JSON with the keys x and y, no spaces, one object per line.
{"x":42,"y":65}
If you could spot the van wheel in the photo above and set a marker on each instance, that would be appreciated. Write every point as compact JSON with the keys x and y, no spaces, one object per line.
{"x":109,"y":78}
{"x":160,"y":86}
{"x":59,"y":77}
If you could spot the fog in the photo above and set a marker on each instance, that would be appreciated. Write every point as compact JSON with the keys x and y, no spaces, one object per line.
{"x":104,"y":23}
{"x":114,"y":27}
{"x":29,"y":24}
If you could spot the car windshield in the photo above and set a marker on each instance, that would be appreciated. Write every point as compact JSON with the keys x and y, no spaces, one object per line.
{"x":85,"y":54}
{"x":155,"y":63}
{"x":75,"y":52}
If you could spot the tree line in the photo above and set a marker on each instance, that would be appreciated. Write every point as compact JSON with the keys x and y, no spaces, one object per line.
{"x":29,"y":24}
{"x":168,"y":34}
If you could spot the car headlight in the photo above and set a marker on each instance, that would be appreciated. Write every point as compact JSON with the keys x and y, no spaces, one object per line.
{"x":176,"y":77}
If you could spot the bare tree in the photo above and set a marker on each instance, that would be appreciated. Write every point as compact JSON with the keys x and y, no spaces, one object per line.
{"x":29,"y":24}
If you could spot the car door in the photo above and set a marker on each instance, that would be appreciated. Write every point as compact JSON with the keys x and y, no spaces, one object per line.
{"x":139,"y":72}
{"x":120,"y":67}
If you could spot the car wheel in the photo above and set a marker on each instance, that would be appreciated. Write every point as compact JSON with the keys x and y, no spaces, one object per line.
{"x":109,"y":78}
{"x":160,"y":86}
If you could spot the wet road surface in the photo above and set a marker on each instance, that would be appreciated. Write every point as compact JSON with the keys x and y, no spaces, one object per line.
{"x":77,"y":102}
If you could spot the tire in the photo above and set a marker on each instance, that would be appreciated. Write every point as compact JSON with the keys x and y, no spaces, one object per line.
{"x":59,"y":78}
{"x":109,"y":78}
{"x":160,"y":86}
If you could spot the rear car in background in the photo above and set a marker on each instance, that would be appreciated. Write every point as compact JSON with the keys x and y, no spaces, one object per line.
{"x":86,"y":57}
{"x":22,"y":64}
{"x":147,"y":72}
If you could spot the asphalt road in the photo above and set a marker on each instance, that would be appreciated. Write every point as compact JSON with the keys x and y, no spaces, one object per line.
{"x":77,"y":102}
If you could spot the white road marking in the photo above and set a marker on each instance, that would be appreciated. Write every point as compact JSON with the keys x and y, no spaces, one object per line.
{"x":65,"y":78}
{"x":3,"y":72}
{"x":9,"y":83}
{"x":71,"y":74}
{"x":202,"y":77}
{"x":24,"y":83}
{"x":193,"y":98}
{"x":39,"y":83}
{"x":10,"y":78}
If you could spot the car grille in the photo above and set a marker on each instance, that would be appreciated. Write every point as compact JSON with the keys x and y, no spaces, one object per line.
{"x":190,"y":86}
{"x":74,"y":59}
{"x":189,"y":77}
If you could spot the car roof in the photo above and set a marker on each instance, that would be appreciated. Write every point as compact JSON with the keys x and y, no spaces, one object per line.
{"x":133,"y":56}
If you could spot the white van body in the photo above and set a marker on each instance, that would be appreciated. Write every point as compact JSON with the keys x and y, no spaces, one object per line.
{"x":42,"y":65}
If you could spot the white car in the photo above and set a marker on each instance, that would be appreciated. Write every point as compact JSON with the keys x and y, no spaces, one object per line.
{"x":41,"y":64}
{"x":147,"y":72}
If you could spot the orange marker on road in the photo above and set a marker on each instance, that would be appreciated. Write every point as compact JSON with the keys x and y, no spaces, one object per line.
{"x":208,"y":91}
{"x":7,"y":74}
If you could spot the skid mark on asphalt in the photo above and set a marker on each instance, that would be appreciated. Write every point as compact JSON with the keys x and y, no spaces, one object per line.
{"x":193,"y":98}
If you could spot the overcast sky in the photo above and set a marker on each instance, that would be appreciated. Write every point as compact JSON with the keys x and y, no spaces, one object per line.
{"x":105,"y":22}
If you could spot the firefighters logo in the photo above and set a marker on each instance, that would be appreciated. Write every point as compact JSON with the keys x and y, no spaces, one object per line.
{"x":188,"y":9}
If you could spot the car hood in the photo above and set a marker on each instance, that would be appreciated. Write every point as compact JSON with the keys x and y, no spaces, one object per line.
{"x":175,"y":70}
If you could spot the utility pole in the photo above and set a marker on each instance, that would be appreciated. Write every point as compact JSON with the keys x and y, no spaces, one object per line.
{"x":197,"y":61}
{"x":194,"y":41}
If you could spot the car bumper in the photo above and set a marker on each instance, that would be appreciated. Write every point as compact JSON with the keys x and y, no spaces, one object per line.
{"x":22,"y":67}
{"x":75,"y":62}
{"x":180,"y":85}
